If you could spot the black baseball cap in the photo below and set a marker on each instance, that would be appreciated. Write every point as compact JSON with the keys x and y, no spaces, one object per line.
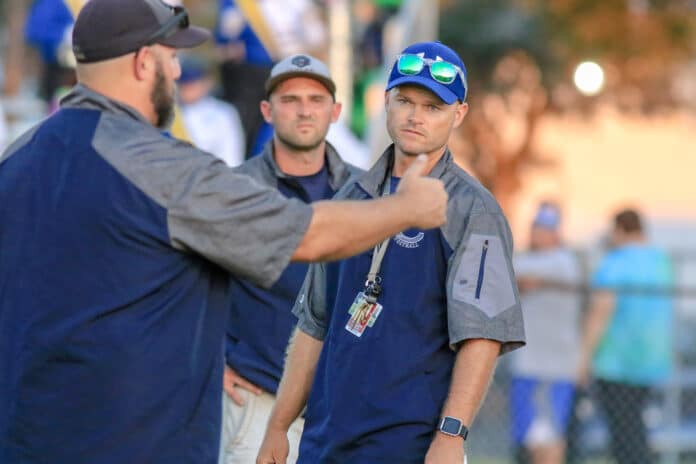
{"x":107,"y":29}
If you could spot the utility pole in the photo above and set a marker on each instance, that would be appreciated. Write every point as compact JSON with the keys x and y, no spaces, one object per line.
{"x":341,"y":53}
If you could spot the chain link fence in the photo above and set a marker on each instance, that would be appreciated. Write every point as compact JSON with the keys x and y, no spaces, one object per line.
{"x":668,"y":412}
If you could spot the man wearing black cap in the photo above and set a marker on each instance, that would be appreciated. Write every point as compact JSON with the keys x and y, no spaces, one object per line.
{"x":395,"y":348}
{"x":300,"y":163}
{"x":115,"y":246}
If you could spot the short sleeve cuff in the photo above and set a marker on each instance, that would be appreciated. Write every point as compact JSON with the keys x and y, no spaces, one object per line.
{"x":507,"y":328}
{"x":311,"y":329}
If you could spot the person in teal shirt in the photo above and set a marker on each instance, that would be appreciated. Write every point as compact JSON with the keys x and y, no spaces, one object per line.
{"x":627,"y":343}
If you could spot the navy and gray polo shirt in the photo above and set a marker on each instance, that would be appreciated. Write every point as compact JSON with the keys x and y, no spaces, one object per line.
{"x":377,"y":398}
{"x":261,"y":319}
{"x":115,"y":247}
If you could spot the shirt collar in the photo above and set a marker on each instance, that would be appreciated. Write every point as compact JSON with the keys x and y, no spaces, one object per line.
{"x":372,"y":181}
{"x":338,"y":171}
{"x":82,"y":96}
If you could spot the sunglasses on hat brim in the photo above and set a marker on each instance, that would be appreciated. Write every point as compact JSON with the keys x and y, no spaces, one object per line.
{"x":443,"y":72}
{"x":180,"y":20}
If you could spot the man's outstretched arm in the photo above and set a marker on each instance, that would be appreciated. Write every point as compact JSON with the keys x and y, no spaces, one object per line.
{"x":340,"y":229}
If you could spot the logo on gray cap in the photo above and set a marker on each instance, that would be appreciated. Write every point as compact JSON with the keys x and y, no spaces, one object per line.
{"x":300,"y":66}
{"x":300,"y":61}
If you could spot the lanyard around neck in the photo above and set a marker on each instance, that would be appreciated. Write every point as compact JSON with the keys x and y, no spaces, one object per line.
{"x":373,"y":284}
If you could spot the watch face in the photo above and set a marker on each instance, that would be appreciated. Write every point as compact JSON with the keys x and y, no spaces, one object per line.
{"x":450,"y":426}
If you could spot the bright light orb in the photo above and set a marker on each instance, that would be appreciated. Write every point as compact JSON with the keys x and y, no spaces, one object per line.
{"x":589,"y":78}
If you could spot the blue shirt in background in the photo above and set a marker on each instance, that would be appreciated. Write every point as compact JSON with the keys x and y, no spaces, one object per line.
{"x":232,"y":28}
{"x":637,"y":345}
{"x":46,"y":27}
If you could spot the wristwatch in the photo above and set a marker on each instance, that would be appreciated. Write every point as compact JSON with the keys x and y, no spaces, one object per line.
{"x":453,"y":427}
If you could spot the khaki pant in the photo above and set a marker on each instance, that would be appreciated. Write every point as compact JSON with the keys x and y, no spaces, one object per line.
{"x":243,"y":428}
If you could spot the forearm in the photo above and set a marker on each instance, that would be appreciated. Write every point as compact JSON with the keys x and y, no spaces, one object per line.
{"x":344,"y":228}
{"x":598,"y":315}
{"x":298,"y":375}
{"x":473,"y":370}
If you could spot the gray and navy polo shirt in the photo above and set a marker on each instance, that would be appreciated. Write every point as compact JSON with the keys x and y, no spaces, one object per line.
{"x":261,"y":320}
{"x":115,"y":247}
{"x":377,"y":397}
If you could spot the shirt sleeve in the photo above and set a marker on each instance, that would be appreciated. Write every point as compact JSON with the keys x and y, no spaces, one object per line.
{"x":310,"y":306}
{"x":483,"y":301}
{"x":229,"y":218}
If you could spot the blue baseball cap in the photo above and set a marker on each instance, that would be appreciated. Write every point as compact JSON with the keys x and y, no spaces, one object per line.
{"x":437,"y":51}
{"x":192,"y":69}
{"x":548,"y":216}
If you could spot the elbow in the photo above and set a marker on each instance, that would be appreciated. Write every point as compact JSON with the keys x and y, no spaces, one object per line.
{"x":311,"y":250}
{"x":305,"y":253}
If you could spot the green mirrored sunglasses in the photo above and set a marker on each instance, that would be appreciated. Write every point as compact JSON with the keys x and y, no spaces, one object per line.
{"x":442,"y":71}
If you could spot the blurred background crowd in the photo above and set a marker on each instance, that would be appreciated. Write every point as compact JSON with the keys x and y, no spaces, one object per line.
{"x":580,"y":111}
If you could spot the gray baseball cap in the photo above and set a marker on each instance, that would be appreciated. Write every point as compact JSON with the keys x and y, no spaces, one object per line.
{"x":300,"y":65}
{"x":107,"y":29}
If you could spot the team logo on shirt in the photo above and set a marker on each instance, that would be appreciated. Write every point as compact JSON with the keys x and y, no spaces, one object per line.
{"x":405,"y":241}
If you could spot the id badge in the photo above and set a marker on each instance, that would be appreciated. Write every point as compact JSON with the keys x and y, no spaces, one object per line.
{"x":363,"y":314}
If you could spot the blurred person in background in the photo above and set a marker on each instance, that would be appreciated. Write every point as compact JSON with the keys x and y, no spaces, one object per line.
{"x":627,"y":341}
{"x":371,"y":18}
{"x":543,"y":384}
{"x":48,"y":28}
{"x":212,"y":125}
{"x":300,"y":164}
{"x":251,"y":36}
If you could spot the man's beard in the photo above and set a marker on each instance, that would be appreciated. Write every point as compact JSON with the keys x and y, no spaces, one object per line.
{"x":162,"y":100}
{"x":297,"y":145}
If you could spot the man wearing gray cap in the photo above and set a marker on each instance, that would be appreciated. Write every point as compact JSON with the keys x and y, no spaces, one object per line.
{"x":300,"y":163}
{"x":116,"y":247}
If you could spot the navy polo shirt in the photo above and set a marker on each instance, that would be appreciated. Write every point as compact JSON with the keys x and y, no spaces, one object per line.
{"x":261,"y":320}
{"x":115,"y":248}
{"x":377,"y":398}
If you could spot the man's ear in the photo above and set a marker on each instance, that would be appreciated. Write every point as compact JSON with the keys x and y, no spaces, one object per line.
{"x":336,"y":111}
{"x":459,"y":113}
{"x":143,"y":63}
{"x":265,"y":107}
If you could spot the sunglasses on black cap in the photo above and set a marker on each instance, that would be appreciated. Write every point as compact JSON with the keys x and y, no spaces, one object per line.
{"x":180,"y":20}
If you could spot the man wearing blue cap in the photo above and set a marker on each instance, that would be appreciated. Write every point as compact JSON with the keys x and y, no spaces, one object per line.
{"x":395,"y":348}
{"x":542,"y":390}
